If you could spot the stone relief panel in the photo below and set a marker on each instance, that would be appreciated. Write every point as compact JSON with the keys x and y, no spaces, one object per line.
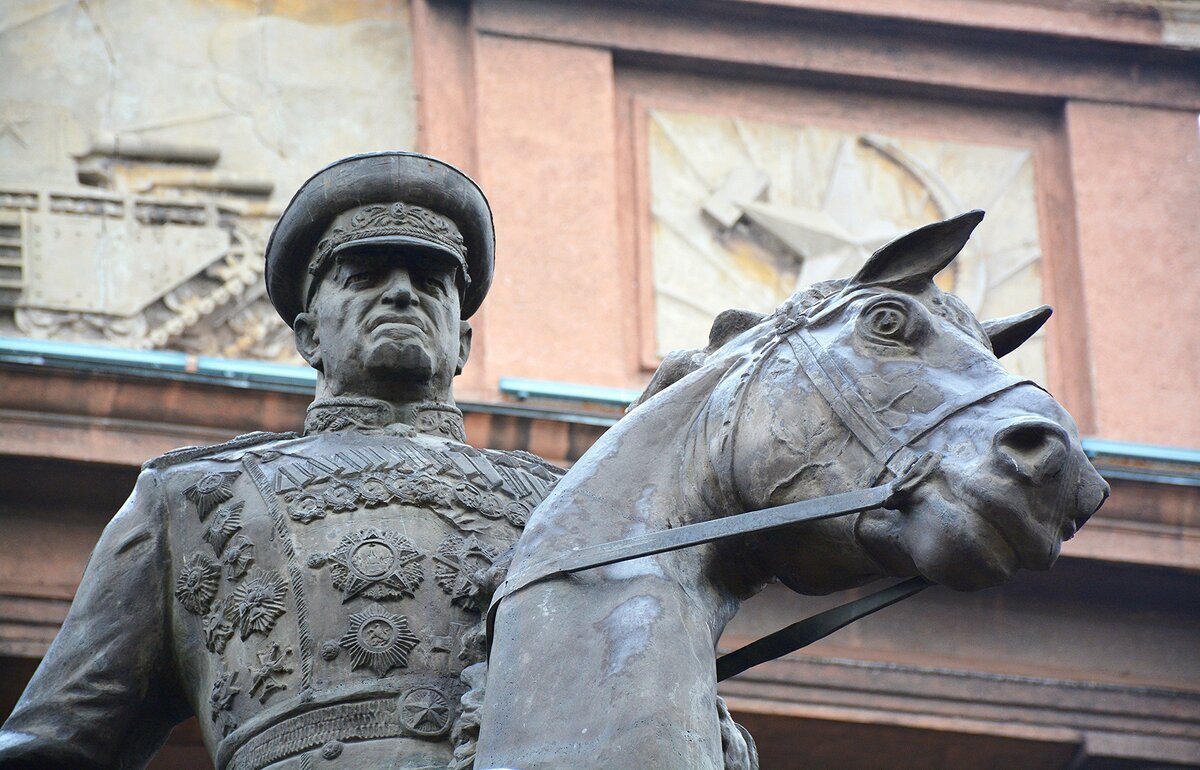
{"x":744,"y":212}
{"x":146,"y":150}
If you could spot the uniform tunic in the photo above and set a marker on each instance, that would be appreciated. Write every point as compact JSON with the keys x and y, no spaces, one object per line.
{"x":309,"y":598}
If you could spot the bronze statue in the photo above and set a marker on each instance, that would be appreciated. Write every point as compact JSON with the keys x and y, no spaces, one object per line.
{"x":311,"y":597}
{"x":318,"y":599}
{"x":864,"y":429}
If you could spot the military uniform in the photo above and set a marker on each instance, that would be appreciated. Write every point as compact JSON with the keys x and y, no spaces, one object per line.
{"x":307,"y":597}
{"x":312,"y":598}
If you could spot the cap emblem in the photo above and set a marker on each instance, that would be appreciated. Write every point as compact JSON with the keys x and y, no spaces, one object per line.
{"x":396,"y":219}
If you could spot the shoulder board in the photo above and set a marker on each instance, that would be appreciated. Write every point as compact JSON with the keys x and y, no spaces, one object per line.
{"x":189,"y":453}
{"x":513,"y":457}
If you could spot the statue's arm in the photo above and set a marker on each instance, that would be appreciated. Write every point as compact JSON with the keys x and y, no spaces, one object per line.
{"x":106,"y":694}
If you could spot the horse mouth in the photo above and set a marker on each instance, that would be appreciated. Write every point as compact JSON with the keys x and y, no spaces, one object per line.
{"x":1099,"y":493}
{"x":1071,"y":526}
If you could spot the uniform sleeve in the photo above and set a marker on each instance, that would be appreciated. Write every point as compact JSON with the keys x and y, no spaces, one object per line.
{"x":106,"y":695}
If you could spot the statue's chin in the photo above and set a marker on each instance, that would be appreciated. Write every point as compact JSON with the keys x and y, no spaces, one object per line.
{"x":400,"y":362}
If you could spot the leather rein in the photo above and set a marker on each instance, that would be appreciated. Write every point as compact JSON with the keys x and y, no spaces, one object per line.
{"x":892,"y":450}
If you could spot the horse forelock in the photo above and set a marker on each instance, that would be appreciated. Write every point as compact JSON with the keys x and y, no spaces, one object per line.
{"x":949,"y":307}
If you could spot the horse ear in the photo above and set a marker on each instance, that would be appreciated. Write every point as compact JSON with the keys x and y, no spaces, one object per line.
{"x":1008,"y":334}
{"x":920,"y":254}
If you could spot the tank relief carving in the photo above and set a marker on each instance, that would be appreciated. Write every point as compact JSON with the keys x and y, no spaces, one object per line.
{"x":272,"y":664}
{"x":378,"y":640}
{"x":210,"y":491}
{"x":196,"y":585}
{"x":257,"y":603}
{"x":376,"y":564}
{"x":455,"y":565}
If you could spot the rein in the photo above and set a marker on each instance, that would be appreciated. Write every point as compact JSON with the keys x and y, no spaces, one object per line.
{"x":891,"y":448}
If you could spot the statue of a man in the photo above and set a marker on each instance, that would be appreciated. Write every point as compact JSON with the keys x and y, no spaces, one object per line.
{"x":312,"y":598}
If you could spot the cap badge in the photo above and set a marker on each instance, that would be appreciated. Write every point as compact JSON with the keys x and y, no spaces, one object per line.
{"x":396,"y":219}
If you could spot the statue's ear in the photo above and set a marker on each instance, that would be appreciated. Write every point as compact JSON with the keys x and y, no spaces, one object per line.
{"x":1009,"y":333}
{"x":920,"y":254}
{"x":464,"y":345}
{"x":308,"y":345}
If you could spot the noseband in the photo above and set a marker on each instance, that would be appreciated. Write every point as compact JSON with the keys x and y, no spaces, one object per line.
{"x":892,"y":449}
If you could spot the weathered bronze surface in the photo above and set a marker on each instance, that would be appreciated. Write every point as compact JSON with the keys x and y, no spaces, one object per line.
{"x":317,"y":599}
{"x":311,"y":597}
{"x":846,"y":385}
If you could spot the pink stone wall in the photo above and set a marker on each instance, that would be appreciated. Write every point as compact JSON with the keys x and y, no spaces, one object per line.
{"x":1136,"y":178}
{"x":552,"y":91}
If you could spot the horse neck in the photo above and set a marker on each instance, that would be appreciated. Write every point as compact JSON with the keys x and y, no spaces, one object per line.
{"x":649,"y":472}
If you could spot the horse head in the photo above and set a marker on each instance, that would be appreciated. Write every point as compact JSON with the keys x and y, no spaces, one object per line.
{"x":880,"y":388}
{"x":848,"y":383}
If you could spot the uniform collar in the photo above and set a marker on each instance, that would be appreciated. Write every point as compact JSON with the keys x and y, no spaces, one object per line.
{"x":372,"y":414}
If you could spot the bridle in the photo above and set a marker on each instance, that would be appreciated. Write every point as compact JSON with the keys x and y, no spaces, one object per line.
{"x":892,"y":449}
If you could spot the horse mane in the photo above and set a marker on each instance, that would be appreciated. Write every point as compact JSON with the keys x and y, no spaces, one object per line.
{"x":728,"y":326}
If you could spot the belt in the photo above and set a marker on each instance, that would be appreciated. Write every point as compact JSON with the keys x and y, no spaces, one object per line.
{"x":421,"y":712}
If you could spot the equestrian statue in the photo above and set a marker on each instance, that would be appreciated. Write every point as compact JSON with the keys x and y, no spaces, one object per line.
{"x":374,"y":592}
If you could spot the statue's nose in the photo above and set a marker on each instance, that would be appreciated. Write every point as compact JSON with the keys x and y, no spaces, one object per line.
{"x":1032,"y":448}
{"x":399,"y":291}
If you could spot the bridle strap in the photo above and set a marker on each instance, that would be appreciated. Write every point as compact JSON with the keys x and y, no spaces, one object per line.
{"x":648,"y":544}
{"x":815,"y":628}
{"x":844,"y":397}
{"x":891,"y":447}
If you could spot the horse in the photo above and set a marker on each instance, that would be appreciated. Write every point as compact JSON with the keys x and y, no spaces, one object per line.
{"x":847,"y":384}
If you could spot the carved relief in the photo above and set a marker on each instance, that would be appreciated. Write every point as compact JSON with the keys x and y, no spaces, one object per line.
{"x":132,"y":226}
{"x":217,"y":627}
{"x":456,"y":563}
{"x":376,"y":564}
{"x":211,"y":490}
{"x":305,"y":508}
{"x":463,"y":485}
{"x":225,"y":524}
{"x":442,"y":422}
{"x":397,"y":219}
{"x":378,"y":640}
{"x":238,"y":557}
{"x":425,"y":711}
{"x":196,"y":585}
{"x":744,"y":212}
{"x":448,"y":644}
{"x":272,"y":664}
{"x":257,"y":603}
{"x":220,"y":700}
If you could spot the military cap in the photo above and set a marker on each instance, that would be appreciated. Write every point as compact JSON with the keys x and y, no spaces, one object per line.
{"x":379,"y":201}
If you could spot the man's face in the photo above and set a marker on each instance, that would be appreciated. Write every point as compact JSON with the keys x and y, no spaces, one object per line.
{"x":386,"y":324}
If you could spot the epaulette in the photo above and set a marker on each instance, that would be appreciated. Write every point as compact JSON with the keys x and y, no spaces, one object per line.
{"x":188,"y":453}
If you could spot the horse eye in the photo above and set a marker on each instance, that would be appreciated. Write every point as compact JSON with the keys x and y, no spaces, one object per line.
{"x":885,"y":321}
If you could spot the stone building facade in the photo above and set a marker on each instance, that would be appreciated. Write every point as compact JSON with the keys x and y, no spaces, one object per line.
{"x":649,"y":164}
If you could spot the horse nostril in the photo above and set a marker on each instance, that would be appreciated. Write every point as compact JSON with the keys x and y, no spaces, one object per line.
{"x":1034,"y":448}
